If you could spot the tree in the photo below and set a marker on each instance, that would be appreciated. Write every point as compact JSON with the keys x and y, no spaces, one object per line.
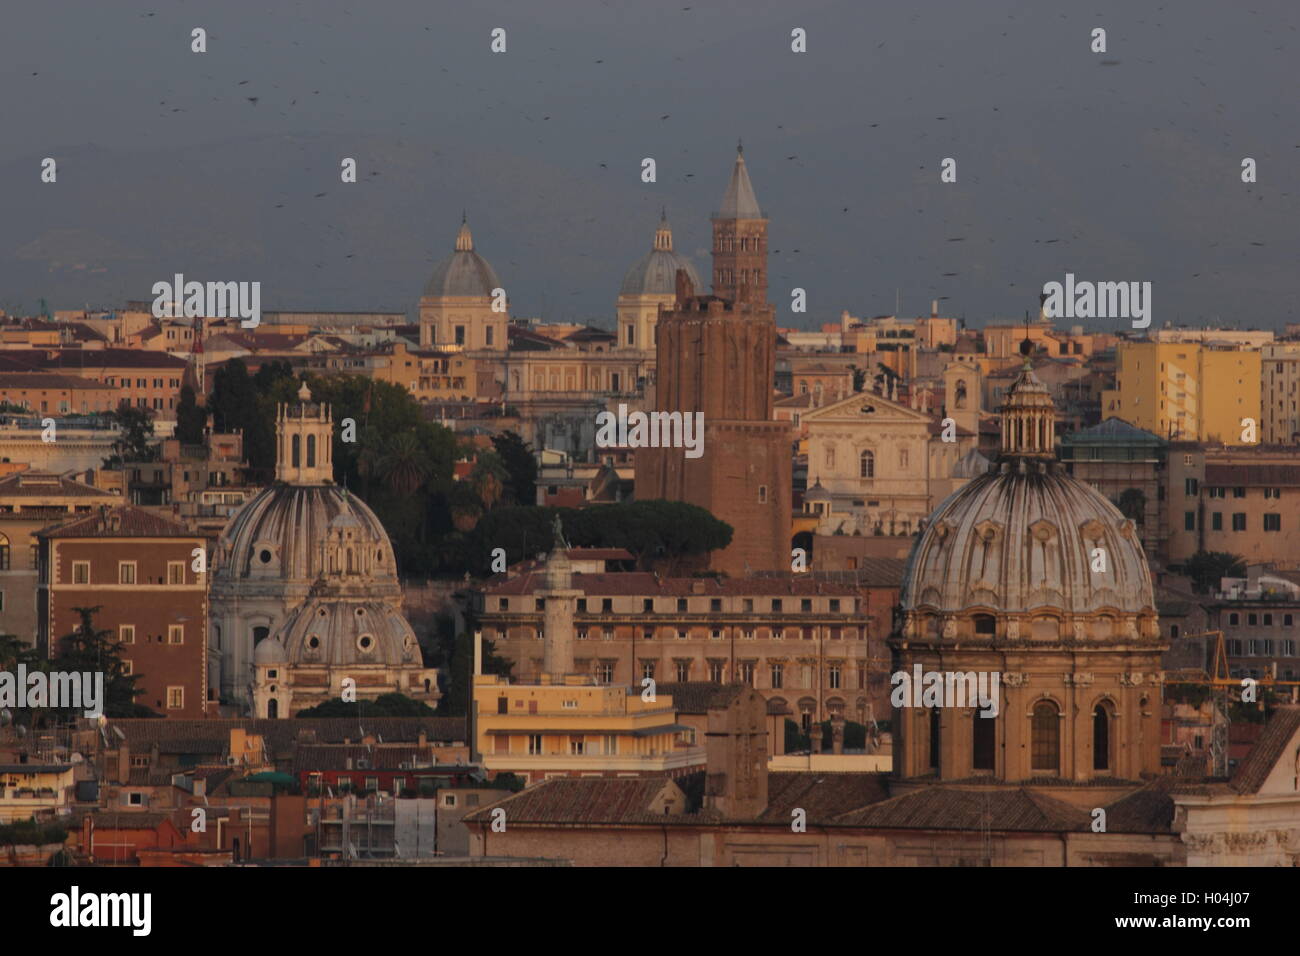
{"x":460,"y":658}
{"x":1205,"y":568}
{"x":385,"y":705}
{"x":795,"y":739}
{"x":135,"y":438}
{"x":89,"y":650}
{"x":521,"y":465}
{"x":1133,"y":505}
{"x":190,"y":418}
{"x":404,"y":464}
{"x":489,"y":478}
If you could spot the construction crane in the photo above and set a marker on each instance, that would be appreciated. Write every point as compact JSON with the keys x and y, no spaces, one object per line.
{"x":1222,"y":684}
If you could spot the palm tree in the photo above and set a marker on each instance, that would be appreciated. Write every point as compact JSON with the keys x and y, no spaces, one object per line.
{"x":488,"y":478}
{"x":404,"y":464}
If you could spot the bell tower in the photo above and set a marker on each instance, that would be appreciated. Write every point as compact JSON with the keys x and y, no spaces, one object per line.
{"x":740,"y":241}
{"x":304,"y":442}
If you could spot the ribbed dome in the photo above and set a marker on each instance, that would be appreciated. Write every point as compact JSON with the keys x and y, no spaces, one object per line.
{"x":270,"y":651}
{"x":278,"y":537}
{"x":464,"y":272}
{"x":655,"y":273}
{"x":1022,"y":537}
{"x":331,"y":630}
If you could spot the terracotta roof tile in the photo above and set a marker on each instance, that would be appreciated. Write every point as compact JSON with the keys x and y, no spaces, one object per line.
{"x":124,"y":521}
{"x":1278,"y":732}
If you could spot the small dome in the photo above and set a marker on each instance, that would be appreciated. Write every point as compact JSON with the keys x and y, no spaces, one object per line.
{"x":464,"y":272}
{"x":971,"y":465}
{"x":655,"y":273}
{"x":270,"y":651}
{"x":818,"y":493}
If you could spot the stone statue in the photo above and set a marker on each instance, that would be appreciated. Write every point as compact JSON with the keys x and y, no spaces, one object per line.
{"x":557,"y":532}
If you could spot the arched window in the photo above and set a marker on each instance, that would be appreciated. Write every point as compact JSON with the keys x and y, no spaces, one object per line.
{"x":273,"y":708}
{"x":1046,"y":736}
{"x":311,"y":451}
{"x":1100,"y":738}
{"x":4,"y":553}
{"x":866,"y":465}
{"x":259,"y":634}
{"x":296,"y":453}
{"x":934,"y":737}
{"x":960,"y":400}
{"x":983,"y":742}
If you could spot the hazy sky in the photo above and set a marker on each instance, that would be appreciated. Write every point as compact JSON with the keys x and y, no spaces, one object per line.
{"x":1117,"y":166}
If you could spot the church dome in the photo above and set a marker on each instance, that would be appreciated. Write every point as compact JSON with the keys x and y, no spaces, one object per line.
{"x":270,"y":651}
{"x":464,"y":272}
{"x":331,"y":630}
{"x":279,"y":537}
{"x":1023,"y":539}
{"x":655,"y":273}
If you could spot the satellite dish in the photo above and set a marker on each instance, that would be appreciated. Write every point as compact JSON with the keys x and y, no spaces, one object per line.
{"x":6,"y":716}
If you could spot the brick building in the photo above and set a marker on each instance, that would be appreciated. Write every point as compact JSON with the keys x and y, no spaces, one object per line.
{"x":136,"y":567}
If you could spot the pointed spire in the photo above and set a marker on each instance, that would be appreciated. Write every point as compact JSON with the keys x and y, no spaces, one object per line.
{"x":464,"y":238}
{"x":739,"y":201}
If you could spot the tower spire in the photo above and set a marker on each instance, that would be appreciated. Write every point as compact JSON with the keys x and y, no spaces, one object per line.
{"x":740,"y":241}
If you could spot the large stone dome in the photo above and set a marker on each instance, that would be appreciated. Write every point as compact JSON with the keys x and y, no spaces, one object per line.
{"x":278,"y":537}
{"x":655,"y":273}
{"x":464,"y":273}
{"x":1023,"y":538}
{"x":331,"y":630}
{"x":1028,"y":548}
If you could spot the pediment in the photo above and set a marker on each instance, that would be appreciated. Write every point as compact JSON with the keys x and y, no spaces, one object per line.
{"x":866,"y":407}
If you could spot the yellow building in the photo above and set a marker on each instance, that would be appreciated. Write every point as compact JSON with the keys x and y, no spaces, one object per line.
{"x":31,"y":790}
{"x":569,"y":725}
{"x":1186,"y":391}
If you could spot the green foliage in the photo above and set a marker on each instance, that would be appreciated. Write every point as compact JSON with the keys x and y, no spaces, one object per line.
{"x":855,"y":736}
{"x":1205,"y":568}
{"x":521,"y":466}
{"x":88,"y":649}
{"x":795,"y":739}
{"x":655,"y":532}
{"x":507,"y":781}
{"x":190,"y":418}
{"x":1192,"y":694}
{"x":135,"y":441}
{"x":31,"y":833}
{"x":386,"y":705}
{"x":459,"y":653}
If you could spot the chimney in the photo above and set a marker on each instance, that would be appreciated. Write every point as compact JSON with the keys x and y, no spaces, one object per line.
{"x":934,"y":308}
{"x":685,"y":288}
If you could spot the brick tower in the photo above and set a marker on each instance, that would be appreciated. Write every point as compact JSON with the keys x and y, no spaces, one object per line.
{"x":716,"y":354}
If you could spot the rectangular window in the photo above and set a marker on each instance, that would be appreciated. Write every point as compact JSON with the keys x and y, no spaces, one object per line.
{"x":835,"y":605}
{"x":747,"y":672}
{"x":1238,"y":492}
{"x":1189,"y":520}
{"x":1190,"y":487}
{"x":648,"y":605}
{"x":1217,"y":492}
{"x":1268,"y":620}
{"x":778,"y":676}
{"x":605,"y":672}
{"x":833,"y":676}
{"x":715,"y":604}
{"x":126,"y":572}
{"x":647,"y":670}
{"x":1272,"y":522}
{"x":776,"y":605}
{"x":681,"y":605}
{"x":80,"y":572}
{"x":611,"y":745}
{"x":683,"y":671}
{"x":175,"y":698}
{"x":534,"y":744}
{"x":1238,"y":521}
{"x":1252,"y":619}
{"x":175,"y":633}
{"x":503,"y":604}
{"x":1216,"y":521}
{"x":805,"y":605}
{"x":606,"y":605}
{"x":577,"y":746}
{"x":582,"y":605}
{"x":715,"y":671}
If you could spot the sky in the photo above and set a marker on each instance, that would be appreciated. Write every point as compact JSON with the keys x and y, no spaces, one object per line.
{"x":225,"y":165}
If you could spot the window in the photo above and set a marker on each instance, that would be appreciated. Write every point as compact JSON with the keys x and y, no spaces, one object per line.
{"x":716,"y":669}
{"x":1216,"y":521}
{"x":126,"y":572}
{"x":776,"y":605}
{"x":1239,"y":521}
{"x":1100,"y":738}
{"x":135,"y":799}
{"x":577,"y":746}
{"x":1286,"y":620}
{"x":1191,"y":487}
{"x":833,"y":676}
{"x":1046,"y":738}
{"x":762,"y":494}
{"x":1234,"y":620}
{"x":985,"y":624}
{"x":503,"y":705}
{"x":1268,"y":620}
{"x":175,"y":572}
{"x":747,"y":672}
{"x":866,"y":465}
{"x":534,"y":744}
{"x":983,"y":742}
{"x":805,"y":605}
{"x":175,"y":698}
{"x":1189,"y":520}
{"x":647,"y":670}
{"x":605,"y":672}
{"x":539,"y":604}
{"x":1272,"y":522}
{"x":80,"y":572}
{"x":835,"y":605}
{"x":778,"y":676}
{"x":715,"y":604}
{"x":681,"y":605}
{"x":127,"y":667}
{"x":503,"y":604}
{"x":175,"y":633}
{"x":648,"y":605}
{"x":489,"y":339}
{"x":4,"y":553}
{"x":683,"y":671}
{"x":606,"y":605}
{"x":716,"y":634}
{"x":1252,"y":619}
{"x":1238,"y":492}
{"x":1217,"y":492}
{"x":1272,"y":493}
